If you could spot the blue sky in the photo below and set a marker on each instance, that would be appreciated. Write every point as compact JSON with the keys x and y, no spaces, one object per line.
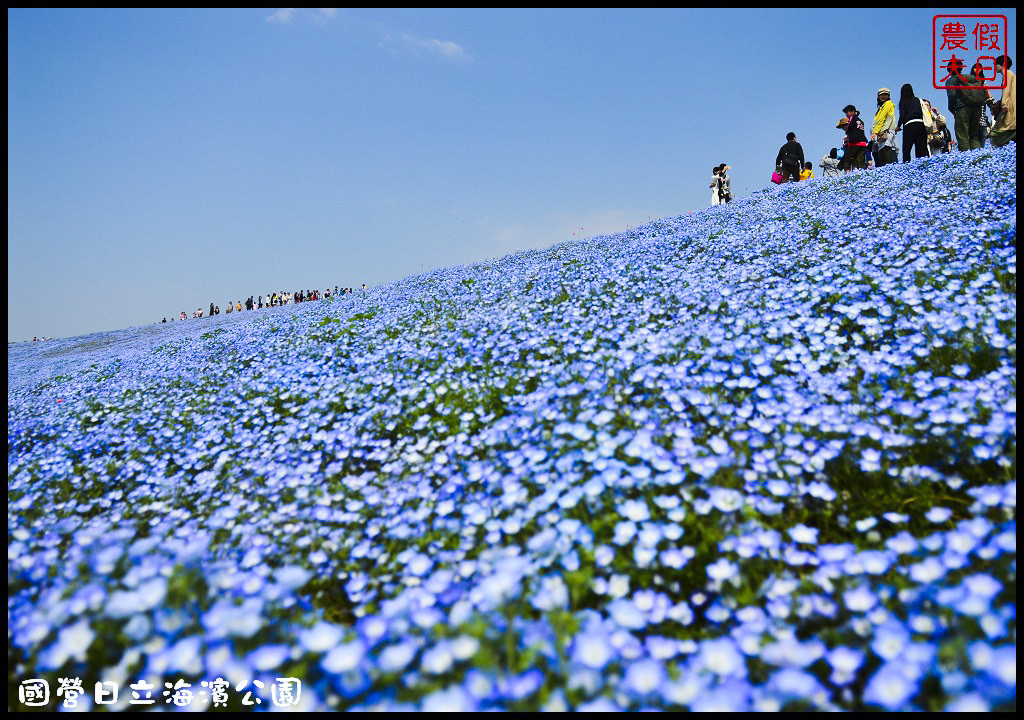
{"x":161,"y":160}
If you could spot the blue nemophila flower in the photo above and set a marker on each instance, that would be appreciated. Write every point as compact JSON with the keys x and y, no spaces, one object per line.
{"x":593,"y":649}
{"x":267,"y":657}
{"x":845,"y":663}
{"x":552,"y":595}
{"x":453,"y":699}
{"x":600,"y":704}
{"x":395,"y":658}
{"x":644,"y":677}
{"x":635,"y":510}
{"x":890,"y":640}
{"x":928,"y":570}
{"x":860,"y":599}
{"x":970,"y":702}
{"x":890,"y":687}
{"x":438,"y":659}
{"x":344,"y":658}
{"x":73,"y":642}
{"x":626,"y":614}
{"x":791,"y":683}
{"x":721,"y":657}
{"x":866,"y":524}
{"x":725,"y":499}
{"x":803,"y":534}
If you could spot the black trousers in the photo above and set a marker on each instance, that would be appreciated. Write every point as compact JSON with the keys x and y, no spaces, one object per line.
{"x":885,"y":156}
{"x":915,"y":135}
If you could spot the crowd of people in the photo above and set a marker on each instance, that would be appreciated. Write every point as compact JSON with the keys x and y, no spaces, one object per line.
{"x":269,"y":300}
{"x":926,"y":131}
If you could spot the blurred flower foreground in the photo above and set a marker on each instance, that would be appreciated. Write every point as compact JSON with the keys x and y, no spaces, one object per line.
{"x":759,"y":457}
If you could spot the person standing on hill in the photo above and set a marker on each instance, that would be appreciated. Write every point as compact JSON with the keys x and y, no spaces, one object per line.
{"x":830,"y":164}
{"x":966,"y":117}
{"x":1005,"y":111}
{"x":808,"y":172}
{"x":856,"y":141}
{"x":984,"y":126}
{"x":937,"y":133}
{"x":725,"y":187}
{"x":883,"y":130}
{"x":790,"y":159}
{"x":912,"y":123}
{"x":715,"y":185}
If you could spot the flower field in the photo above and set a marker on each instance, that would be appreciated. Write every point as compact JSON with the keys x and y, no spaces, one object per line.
{"x":759,"y":457}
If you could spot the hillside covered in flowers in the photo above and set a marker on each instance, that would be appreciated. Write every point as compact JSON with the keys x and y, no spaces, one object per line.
{"x":758,"y":457}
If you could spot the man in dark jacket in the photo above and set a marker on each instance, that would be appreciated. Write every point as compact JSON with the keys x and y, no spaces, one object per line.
{"x":790,"y":159}
{"x":856,"y":141}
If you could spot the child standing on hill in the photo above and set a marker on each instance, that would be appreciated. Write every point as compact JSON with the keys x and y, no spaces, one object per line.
{"x":830,"y":164}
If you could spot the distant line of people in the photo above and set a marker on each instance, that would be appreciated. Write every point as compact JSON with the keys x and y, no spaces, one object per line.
{"x":925,"y":130}
{"x":269,"y":300}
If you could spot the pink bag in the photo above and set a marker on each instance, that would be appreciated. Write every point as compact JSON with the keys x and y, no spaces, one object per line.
{"x":777,"y":178}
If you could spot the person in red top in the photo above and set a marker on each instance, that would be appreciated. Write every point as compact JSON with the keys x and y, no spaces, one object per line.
{"x":856,"y":140}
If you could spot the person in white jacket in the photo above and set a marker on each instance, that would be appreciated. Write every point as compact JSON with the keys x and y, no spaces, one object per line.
{"x":716,"y":184}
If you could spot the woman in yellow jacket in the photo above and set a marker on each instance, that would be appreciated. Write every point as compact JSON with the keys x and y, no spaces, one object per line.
{"x":883,"y":130}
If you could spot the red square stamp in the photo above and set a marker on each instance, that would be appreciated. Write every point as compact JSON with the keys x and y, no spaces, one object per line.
{"x":968,"y":45}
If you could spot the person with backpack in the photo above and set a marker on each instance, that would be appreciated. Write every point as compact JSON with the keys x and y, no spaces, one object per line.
{"x":856,"y":141}
{"x":1005,"y":111}
{"x":965,"y":98}
{"x":883,"y":130}
{"x":912,"y":123}
{"x":790,"y":159}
